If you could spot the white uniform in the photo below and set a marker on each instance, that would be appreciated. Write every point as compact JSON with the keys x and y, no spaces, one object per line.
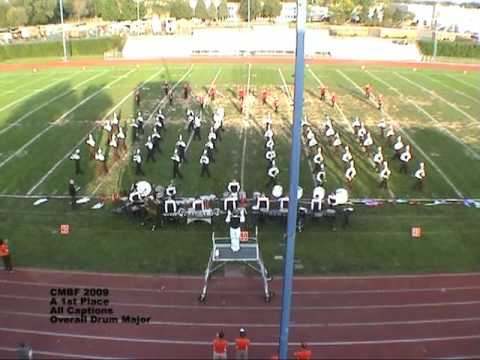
{"x":351,"y":172}
{"x":99,"y":155}
{"x":270,"y":155}
{"x":268,"y":133}
{"x":386,"y":172}
{"x":273,"y":172}
{"x":137,"y":158}
{"x":75,"y":155}
{"x":420,"y":173}
{"x":347,"y":156}
{"x":406,"y":156}
{"x":378,"y":157}
{"x":90,"y":141}
{"x":368,"y":140}
{"x":398,"y":144}
{"x":204,"y":160}
{"x":336,"y":140}
{"x":113,"y":143}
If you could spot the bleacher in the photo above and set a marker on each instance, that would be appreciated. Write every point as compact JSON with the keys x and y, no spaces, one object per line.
{"x":267,"y":41}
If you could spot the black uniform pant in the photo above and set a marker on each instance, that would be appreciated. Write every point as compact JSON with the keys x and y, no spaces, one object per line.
{"x":73,"y":201}
{"x":205,"y":170}
{"x":7,"y":262}
{"x":176,"y":171}
{"x":181,"y":155}
{"x":138,"y":169}
{"x":384,"y":184}
{"x":404,"y":167}
{"x":271,"y":182}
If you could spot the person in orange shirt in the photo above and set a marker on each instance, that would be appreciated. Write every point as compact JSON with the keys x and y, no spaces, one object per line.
{"x":5,"y":254}
{"x":303,"y":353}
{"x":368,"y":90}
{"x":264,"y":96}
{"x":380,"y":101}
{"x":242,"y":343}
{"x":334,"y":99}
{"x":220,"y":346}
{"x":323,"y":90}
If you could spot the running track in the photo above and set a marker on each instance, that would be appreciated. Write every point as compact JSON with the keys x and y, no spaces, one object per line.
{"x":417,"y":316}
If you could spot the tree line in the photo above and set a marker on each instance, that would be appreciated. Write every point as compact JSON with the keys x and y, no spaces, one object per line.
{"x":15,"y":13}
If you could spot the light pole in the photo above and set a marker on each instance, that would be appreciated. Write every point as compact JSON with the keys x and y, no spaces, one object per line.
{"x":248,"y":7}
{"x":63,"y":33}
{"x":434,"y":25}
{"x":294,"y":176}
{"x":138,"y":10}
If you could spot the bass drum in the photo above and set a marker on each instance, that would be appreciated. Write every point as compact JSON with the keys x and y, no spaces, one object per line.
{"x":341,"y":196}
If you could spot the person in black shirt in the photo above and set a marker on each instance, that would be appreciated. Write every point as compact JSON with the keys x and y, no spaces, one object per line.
{"x":72,"y":191}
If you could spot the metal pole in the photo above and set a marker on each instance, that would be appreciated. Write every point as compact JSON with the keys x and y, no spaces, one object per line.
{"x":138,"y":10}
{"x":294,"y":176}
{"x":248,"y":6}
{"x":434,"y":19}
{"x":63,"y":33}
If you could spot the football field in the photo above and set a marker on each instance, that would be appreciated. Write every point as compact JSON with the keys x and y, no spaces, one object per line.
{"x":47,"y":114}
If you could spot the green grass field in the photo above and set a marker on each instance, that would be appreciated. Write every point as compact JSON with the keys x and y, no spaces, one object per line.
{"x":46,"y":115}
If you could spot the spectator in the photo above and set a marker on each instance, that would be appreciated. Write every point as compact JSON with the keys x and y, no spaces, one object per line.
{"x":303,"y":353}
{"x":5,"y":254}
{"x":242,"y":343}
{"x":220,"y":346}
{"x":24,"y":352}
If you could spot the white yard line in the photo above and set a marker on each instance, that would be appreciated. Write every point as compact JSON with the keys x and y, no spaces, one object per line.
{"x":41,"y":133}
{"x":36,"y":92}
{"x":19,"y":120}
{"x":410,"y":139}
{"x":450,"y":88}
{"x":433,"y":93}
{"x":345,"y":119}
{"x":149,"y":119}
{"x":244,"y":134}
{"x":289,"y":96}
{"x":463,"y":82}
{"x":57,"y":164}
{"x":20,"y":83}
{"x":468,"y":148}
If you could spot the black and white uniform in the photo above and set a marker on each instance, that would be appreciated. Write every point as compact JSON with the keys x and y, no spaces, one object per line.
{"x":114,"y":145}
{"x":405,"y":158}
{"x":337,"y":142}
{"x":347,"y":156}
{"x":134,"y":127}
{"x":171,"y":191}
{"x":197,"y":124}
{"x":272,"y":173}
{"x":356,"y":124}
{"x":385,"y":175}
{"x":137,"y":159}
{"x":351,"y":172}
{"x":209,"y":147}
{"x":420,"y":175}
{"x":235,"y":220}
{"x":212,"y":136}
{"x":150,"y":149}
{"x":176,"y":165}
{"x":270,"y":155}
{"x":233,"y":187}
{"x":270,"y":144}
{"x":321,"y":176}
{"x":382,"y":125}
{"x":398,"y":147}
{"x":140,"y":123}
{"x":205,"y":162}
{"x":378,"y":158}
{"x":76,"y":157}
{"x":156,"y":137}
{"x":121,"y":139}
{"x":368,"y":142}
{"x":181,"y":147}
{"x":91,"y":146}
{"x":108,"y":128}
{"x":102,"y":161}
{"x":318,"y":159}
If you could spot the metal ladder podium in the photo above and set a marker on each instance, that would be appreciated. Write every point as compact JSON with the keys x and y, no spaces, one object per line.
{"x":249,"y":254}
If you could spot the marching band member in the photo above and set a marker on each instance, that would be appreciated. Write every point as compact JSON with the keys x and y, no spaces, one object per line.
{"x":385,"y":175}
{"x":156,"y":137}
{"x":114,"y":145}
{"x":347,"y":156}
{"x":362,"y":132}
{"x":390,"y":134}
{"x":275,"y":104}
{"x":197,"y":123}
{"x":212,"y":136}
{"x":321,"y":176}
{"x":268,"y":121}
{"x":323,"y":91}
{"x":268,"y":133}
{"x":270,"y":156}
{"x":150,"y":149}
{"x":233,"y":187}
{"x":115,"y":123}
{"x":328,"y":123}
{"x":176,"y":164}
{"x":140,"y":123}
{"x":329,"y":134}
{"x":356,"y":124}
{"x":134,"y":126}
{"x":209,"y":147}
{"x":270,"y":144}
{"x":318,"y":159}
{"x":108,"y":128}
{"x":76,"y":157}
{"x":367,"y":143}
{"x":101,"y":161}
{"x":170,"y":97}
{"x":420,"y":175}
{"x":380,"y":101}
{"x":350,"y":174}
{"x":382,"y":125}
{"x":398,"y":146}
{"x":272,"y":174}
{"x":180,"y":146}
{"x":91,"y":146}
{"x":137,"y":159}
{"x":333,"y":99}
{"x":312,"y":144}
{"x":235,"y":219}
{"x":205,"y":162}
{"x":378,"y":158}
{"x":121,"y":139}
{"x":337,"y":142}
{"x":405,"y":157}
{"x":171,"y":190}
